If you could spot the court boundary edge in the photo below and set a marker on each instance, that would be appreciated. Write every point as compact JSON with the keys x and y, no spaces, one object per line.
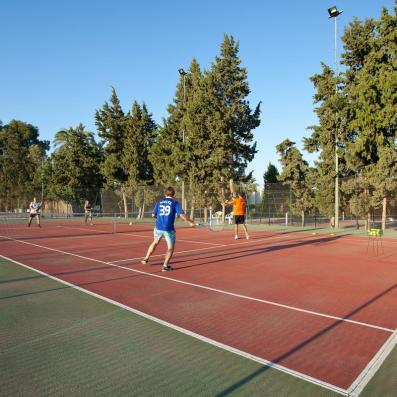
{"x":373,"y":366}
{"x":199,"y":337}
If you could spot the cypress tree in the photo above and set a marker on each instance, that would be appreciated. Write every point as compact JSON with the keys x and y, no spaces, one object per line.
{"x":294,"y":174}
{"x":110,"y":122}
{"x":271,"y":174}
{"x":139,"y":135}
{"x":373,"y":92}
{"x":231,"y":120}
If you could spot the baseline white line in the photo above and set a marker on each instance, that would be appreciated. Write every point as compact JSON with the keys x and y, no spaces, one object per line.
{"x":271,"y":303}
{"x":202,"y":338}
{"x":373,"y":366}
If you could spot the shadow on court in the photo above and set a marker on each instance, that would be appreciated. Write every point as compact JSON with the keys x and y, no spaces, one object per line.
{"x":232,"y":254}
{"x":235,"y":386}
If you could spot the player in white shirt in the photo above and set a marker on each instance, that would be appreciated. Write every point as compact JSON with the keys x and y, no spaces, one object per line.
{"x":88,"y":211}
{"x":34,"y":211}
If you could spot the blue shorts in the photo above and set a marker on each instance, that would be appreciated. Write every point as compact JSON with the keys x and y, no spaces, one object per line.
{"x":168,"y":235}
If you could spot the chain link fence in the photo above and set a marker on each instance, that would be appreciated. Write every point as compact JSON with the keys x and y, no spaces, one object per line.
{"x":274,"y":205}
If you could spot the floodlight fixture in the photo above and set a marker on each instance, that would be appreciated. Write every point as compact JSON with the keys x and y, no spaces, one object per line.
{"x":182,"y":72}
{"x":333,"y":12}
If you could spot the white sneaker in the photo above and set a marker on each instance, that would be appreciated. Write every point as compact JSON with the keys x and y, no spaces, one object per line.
{"x":247,"y":237}
{"x":236,"y":237}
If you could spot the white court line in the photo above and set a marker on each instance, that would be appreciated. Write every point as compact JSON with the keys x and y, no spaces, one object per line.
{"x":373,"y":366}
{"x":202,"y":338}
{"x":271,"y":303}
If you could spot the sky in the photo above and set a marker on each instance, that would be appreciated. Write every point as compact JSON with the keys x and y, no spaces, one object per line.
{"x":59,"y":59}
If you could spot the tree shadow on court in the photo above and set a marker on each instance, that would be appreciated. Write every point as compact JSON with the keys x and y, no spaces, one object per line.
{"x":17,"y":280}
{"x":81,"y":285}
{"x":215,"y":258}
{"x":235,"y":386}
{"x":241,"y":252}
{"x":42,"y":276}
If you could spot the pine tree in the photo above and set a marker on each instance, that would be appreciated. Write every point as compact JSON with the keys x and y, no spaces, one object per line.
{"x":139,"y":136}
{"x":110,"y":122}
{"x":270,"y":175}
{"x":166,"y":154}
{"x":198,"y":146}
{"x":294,"y":174}
{"x":330,"y":135}
{"x":231,"y":120}
{"x":75,"y":170}
{"x":373,"y":92}
{"x":211,"y":112}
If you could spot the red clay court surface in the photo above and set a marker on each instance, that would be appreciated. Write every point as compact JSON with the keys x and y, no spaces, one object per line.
{"x":318,"y":307}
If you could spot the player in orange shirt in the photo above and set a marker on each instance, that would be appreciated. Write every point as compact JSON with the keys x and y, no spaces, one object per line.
{"x":239,"y":214}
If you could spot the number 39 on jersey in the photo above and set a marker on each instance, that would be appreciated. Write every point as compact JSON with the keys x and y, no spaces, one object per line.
{"x":164,"y":210}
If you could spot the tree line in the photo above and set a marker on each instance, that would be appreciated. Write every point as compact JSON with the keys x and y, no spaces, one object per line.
{"x":206,"y":140}
{"x":357,"y":116}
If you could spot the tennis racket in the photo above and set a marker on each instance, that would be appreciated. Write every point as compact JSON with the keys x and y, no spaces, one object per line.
{"x":212,"y":227}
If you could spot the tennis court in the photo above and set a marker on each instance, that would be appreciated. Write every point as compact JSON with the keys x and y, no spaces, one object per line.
{"x":284,"y":313}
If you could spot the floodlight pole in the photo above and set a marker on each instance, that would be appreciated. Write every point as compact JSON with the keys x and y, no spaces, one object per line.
{"x":183,"y":74}
{"x":334,"y":13}
{"x":42,"y":179}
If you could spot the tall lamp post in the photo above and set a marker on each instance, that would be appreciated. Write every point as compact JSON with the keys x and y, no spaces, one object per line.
{"x":183,"y":75}
{"x":333,"y":12}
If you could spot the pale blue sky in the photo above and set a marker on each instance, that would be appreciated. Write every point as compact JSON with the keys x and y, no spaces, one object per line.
{"x":59,"y":59}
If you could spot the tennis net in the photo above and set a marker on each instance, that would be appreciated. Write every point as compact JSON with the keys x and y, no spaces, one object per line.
{"x":69,"y":225}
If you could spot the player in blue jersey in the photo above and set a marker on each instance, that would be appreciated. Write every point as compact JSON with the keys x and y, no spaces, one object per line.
{"x":165,"y":211}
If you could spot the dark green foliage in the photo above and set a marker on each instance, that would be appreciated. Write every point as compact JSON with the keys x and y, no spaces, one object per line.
{"x":357,"y":111}
{"x":139,"y":134}
{"x":110,"y":121}
{"x":295,"y":175}
{"x":271,"y":174}
{"x":231,"y":120}
{"x":75,"y":165}
{"x":207,"y":137}
{"x":21,"y":157}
